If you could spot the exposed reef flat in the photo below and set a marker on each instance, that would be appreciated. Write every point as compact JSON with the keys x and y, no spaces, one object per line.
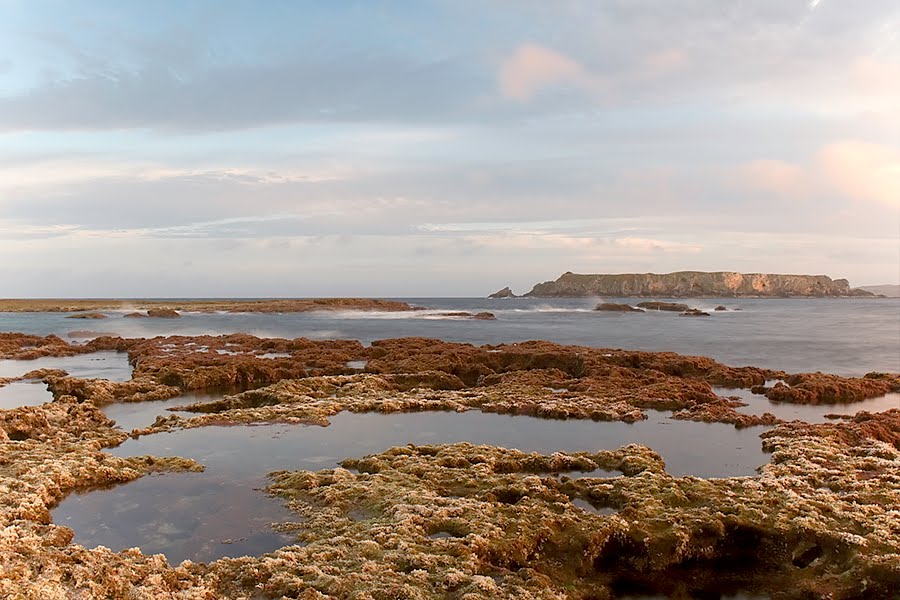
{"x":695,"y":284}
{"x":458,"y":520}
{"x":254,"y":306}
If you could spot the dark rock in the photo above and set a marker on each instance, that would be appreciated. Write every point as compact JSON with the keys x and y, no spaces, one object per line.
{"x":720,"y":308}
{"x":504,"y":293}
{"x":614,"y":307}
{"x":694,"y":312}
{"x":91,"y":315}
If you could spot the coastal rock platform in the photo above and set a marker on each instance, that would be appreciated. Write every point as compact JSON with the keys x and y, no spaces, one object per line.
{"x":462,"y":520}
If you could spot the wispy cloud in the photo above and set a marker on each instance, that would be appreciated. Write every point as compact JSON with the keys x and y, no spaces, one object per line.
{"x":852,"y":169}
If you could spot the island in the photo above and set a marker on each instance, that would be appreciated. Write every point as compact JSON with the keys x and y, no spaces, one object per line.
{"x":696,"y":284}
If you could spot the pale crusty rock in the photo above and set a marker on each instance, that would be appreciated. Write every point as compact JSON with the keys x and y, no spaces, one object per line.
{"x":820,"y":521}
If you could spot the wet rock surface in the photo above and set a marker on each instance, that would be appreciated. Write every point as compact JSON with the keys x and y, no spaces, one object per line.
{"x":459,"y":520}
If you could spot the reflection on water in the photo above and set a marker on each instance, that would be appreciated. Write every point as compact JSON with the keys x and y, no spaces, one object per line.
{"x":201,"y":517}
{"x":758,"y":404}
{"x":594,"y":510}
{"x":24,"y":393}
{"x":137,"y":415}
{"x":102,"y":365}
{"x":221,"y":512}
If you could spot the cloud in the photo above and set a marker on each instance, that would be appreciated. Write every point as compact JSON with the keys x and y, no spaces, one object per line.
{"x":199,"y":98}
{"x":533,"y":68}
{"x":651,"y":245}
{"x":667,"y":61}
{"x":775,"y":176}
{"x":63,"y":172}
{"x":850,"y":169}
{"x":862,"y":171}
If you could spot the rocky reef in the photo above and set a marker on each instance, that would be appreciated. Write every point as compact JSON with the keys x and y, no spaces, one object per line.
{"x":254,"y":306}
{"x":693,"y":284}
{"x":462,"y":521}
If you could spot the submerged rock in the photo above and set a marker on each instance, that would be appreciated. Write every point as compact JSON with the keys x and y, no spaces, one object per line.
{"x":91,"y":315}
{"x":668,"y":306}
{"x":694,"y":312}
{"x":80,"y":334}
{"x":482,"y":316}
{"x":720,"y":308}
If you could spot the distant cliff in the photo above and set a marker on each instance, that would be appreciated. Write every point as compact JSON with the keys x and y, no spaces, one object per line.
{"x":887,"y":290}
{"x":686,"y":284}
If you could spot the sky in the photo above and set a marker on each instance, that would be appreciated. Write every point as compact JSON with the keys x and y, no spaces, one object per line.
{"x":442,"y":148}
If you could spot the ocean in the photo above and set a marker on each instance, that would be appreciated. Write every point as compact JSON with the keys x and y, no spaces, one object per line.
{"x":841,"y":336}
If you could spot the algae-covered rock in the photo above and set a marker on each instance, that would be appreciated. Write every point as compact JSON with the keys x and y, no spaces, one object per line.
{"x":459,"y":520}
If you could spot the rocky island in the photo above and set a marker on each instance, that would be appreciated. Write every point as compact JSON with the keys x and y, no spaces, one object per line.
{"x":696,"y":284}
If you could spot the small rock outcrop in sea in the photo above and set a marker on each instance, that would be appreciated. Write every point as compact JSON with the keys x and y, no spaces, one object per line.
{"x":163,"y":313}
{"x":667,"y":306}
{"x":694,"y":312}
{"x":720,"y":308}
{"x":615,"y":307}
{"x":694,"y":284}
{"x":504,"y":293}
{"x":90,"y":315}
{"x":482,"y":316}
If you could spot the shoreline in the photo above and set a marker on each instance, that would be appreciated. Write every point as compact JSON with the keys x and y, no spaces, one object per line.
{"x":267,"y":305}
